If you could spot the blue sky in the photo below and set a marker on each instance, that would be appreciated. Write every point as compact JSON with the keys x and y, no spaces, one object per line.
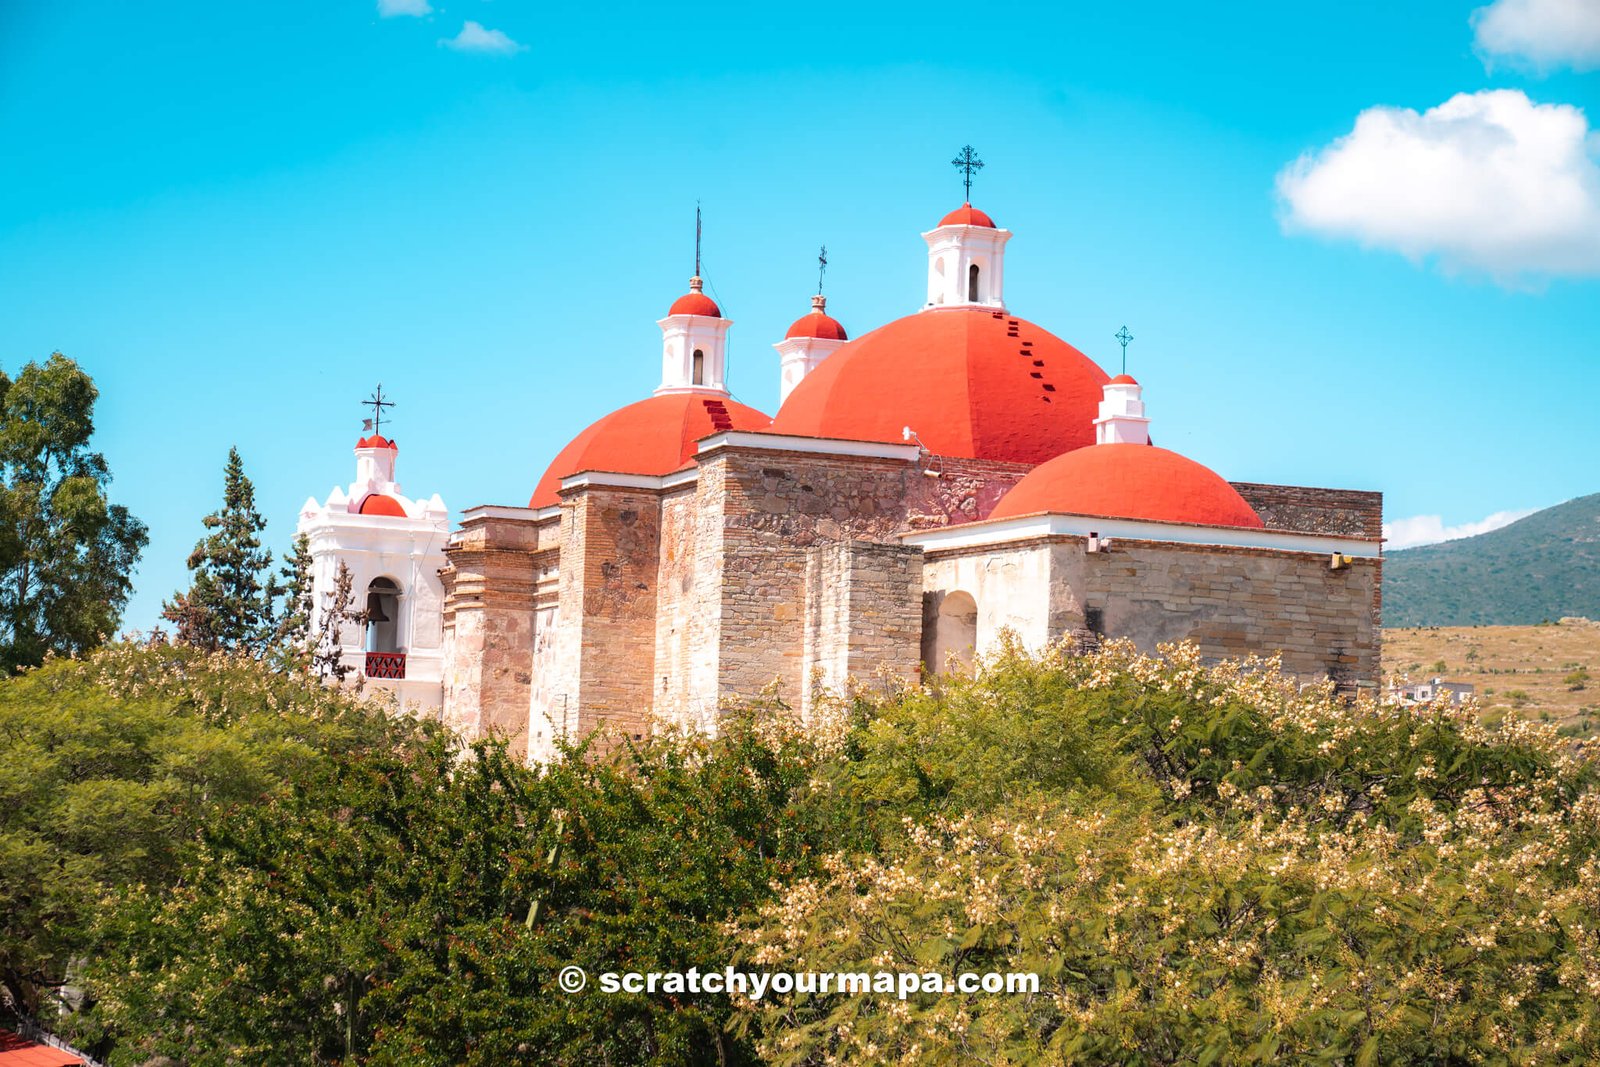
{"x":239,"y":218}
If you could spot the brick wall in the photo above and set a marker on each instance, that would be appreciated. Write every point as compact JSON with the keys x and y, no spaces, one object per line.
{"x":489,"y":580}
{"x":1231,"y":601}
{"x":605,"y":650}
{"x":1339,"y":512}
{"x":863,"y":615}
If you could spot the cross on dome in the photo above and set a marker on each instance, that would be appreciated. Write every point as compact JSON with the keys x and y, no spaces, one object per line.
{"x":967,"y":161}
{"x":377,"y":403}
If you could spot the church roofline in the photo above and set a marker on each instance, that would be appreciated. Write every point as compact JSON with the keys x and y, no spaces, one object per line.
{"x":826,"y":446}
{"x":1028,"y":527}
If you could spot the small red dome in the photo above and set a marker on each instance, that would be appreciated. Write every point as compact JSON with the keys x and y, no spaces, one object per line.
{"x":381,"y":504}
{"x":1128,"y":482}
{"x":695,"y":302}
{"x":969,"y":381}
{"x":967,"y":215}
{"x":654,"y":436}
{"x":818,"y":324}
{"x":1122,"y":379}
{"x":377,"y":441}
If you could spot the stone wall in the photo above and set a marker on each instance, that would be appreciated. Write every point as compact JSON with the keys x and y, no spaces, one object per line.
{"x":489,"y":580}
{"x":604,"y":656}
{"x":863,"y":616}
{"x":1230,"y":601}
{"x":1338,"y":512}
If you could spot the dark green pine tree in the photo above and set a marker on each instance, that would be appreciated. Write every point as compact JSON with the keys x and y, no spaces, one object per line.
{"x":229,"y":605}
{"x":291,"y":631}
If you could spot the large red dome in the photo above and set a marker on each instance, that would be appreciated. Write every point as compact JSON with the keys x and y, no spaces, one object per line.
{"x":969,"y":381}
{"x":654,"y":436}
{"x":1128,"y":482}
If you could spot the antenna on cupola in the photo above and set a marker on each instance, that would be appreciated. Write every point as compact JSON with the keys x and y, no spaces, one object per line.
{"x":967,"y":161}
{"x":377,"y":403}
{"x":697,"y":238}
{"x":822,"y":267}
{"x":1123,"y":336}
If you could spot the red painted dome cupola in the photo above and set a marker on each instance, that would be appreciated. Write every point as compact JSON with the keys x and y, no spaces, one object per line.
{"x":657,"y":435}
{"x":969,"y":377}
{"x":1125,"y":477}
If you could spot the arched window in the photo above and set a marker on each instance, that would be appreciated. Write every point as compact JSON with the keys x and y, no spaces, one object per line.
{"x":949,"y":629}
{"x":699,"y":367}
{"x":383,"y":616}
{"x":972,"y":283}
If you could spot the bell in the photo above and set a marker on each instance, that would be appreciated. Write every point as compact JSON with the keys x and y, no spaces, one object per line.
{"x":375,"y":611}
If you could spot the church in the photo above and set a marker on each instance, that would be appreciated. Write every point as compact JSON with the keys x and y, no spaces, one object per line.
{"x":946,"y":477}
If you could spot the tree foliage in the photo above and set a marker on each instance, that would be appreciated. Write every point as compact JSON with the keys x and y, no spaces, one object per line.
{"x":1306,"y":881}
{"x":113,"y":766}
{"x":66,"y":552}
{"x":1202,"y":864}
{"x":231,"y":599}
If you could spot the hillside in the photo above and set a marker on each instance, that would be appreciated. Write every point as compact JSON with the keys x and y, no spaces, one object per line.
{"x":1540,"y":672}
{"x":1537,"y":569}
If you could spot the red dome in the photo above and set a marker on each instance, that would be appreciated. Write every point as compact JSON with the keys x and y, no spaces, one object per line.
{"x":969,"y":381}
{"x":377,"y":441}
{"x":654,"y":436}
{"x":967,"y":215}
{"x":695,"y":302}
{"x":1122,"y":379}
{"x":1128,"y":482}
{"x":380,"y":504}
{"x":818,"y":324}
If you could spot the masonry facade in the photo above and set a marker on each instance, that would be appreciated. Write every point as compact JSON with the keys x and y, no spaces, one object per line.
{"x":949,"y":478}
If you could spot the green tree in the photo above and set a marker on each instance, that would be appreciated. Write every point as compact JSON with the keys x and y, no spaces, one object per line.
{"x":291,"y":633}
{"x":66,"y":552}
{"x":229,"y":604}
{"x":115,"y":762}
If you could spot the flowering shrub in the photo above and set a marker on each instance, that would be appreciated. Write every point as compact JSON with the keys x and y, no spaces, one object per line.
{"x":1309,"y":880}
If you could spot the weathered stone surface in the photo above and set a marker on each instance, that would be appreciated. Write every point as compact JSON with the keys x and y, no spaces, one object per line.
{"x":783,"y":567}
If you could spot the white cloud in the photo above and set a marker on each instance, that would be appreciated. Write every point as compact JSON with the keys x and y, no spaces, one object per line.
{"x":1486,"y":182}
{"x":474,"y":38}
{"x":415,"y":8}
{"x":1430,"y":529}
{"x":1544,"y":33}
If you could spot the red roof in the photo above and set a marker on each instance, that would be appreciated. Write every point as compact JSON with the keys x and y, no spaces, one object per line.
{"x":655,"y":436}
{"x":377,"y":441}
{"x":967,"y":215}
{"x":695,"y":302}
{"x":818,"y":324}
{"x":1128,"y":482}
{"x":969,"y":381}
{"x":17,"y":1051}
{"x":382,"y":504}
{"x":1122,"y":379}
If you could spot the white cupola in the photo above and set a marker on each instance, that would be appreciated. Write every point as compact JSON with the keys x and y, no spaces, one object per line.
{"x":811,"y":339}
{"x":1121,"y":420}
{"x":393,"y":547}
{"x":375,"y":457}
{"x":966,"y":260}
{"x":694,"y":344}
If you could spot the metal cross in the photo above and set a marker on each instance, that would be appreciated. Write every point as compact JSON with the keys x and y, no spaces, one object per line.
{"x":377,"y":403}
{"x":697,"y":238}
{"x":968,"y":161}
{"x":1124,"y":336}
{"x":822,"y":266}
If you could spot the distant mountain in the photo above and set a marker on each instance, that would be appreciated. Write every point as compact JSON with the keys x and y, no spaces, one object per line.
{"x":1541,"y":567}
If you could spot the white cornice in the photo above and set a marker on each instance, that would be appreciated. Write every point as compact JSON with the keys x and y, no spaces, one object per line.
{"x":827,"y":446}
{"x":500,"y":511}
{"x":1028,"y":527}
